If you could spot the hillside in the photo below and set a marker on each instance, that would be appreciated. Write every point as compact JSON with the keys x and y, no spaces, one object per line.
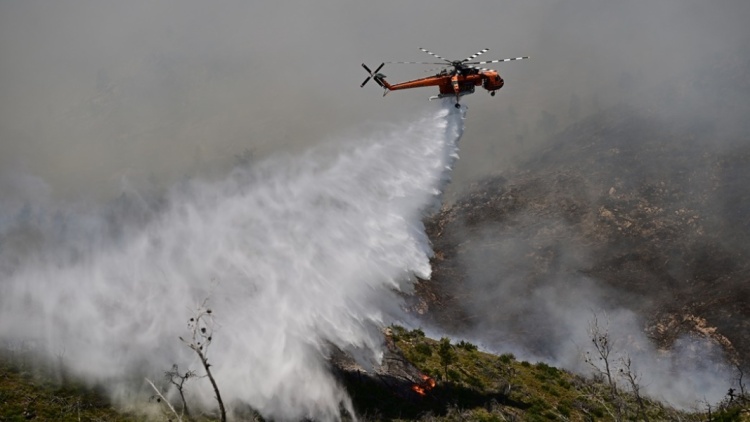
{"x":420,"y":379}
{"x":649,"y":214}
{"x":430,"y":380}
{"x":640,"y":211}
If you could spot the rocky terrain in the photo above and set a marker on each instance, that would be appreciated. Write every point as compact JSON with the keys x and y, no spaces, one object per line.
{"x":652,"y":212}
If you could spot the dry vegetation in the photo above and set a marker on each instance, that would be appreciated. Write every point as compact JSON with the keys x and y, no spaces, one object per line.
{"x":467,"y":384}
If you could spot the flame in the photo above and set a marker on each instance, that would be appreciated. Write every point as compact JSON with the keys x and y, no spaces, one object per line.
{"x":428,"y":381}
{"x":419,"y":390}
{"x":424,"y":386}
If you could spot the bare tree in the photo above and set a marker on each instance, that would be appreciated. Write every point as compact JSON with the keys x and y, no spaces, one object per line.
{"x":632,"y":377}
{"x":601,"y":360}
{"x":177,"y":379}
{"x":201,"y":327}
{"x":740,"y":381}
{"x":742,"y":398}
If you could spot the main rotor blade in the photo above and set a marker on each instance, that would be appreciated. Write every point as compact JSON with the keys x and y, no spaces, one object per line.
{"x":498,"y":61}
{"x":366,"y":80}
{"x":435,"y":55}
{"x":475,"y":55}
{"x":439,"y":69}
{"x":379,"y":67}
{"x":367,"y":69}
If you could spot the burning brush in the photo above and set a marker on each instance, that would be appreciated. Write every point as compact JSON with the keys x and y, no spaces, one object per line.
{"x":424,"y":386}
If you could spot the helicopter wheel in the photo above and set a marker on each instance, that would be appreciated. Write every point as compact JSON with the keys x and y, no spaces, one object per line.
{"x":492,"y":93}
{"x":458,"y":105}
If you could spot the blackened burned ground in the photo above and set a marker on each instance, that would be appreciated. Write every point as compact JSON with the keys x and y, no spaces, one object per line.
{"x":656,"y":210}
{"x":386,"y":392}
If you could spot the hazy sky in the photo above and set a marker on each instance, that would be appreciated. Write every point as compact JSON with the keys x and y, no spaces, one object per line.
{"x":94,"y":93}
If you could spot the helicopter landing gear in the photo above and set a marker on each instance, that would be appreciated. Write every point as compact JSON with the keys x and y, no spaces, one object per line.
{"x":492,"y":93}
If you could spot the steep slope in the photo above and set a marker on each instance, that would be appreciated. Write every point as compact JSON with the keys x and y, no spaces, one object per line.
{"x":642,"y":210}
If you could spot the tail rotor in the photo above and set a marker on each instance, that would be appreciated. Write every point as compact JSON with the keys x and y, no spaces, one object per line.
{"x":373,"y":75}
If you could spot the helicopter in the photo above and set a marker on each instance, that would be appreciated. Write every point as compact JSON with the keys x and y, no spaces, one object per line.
{"x":454,"y":77}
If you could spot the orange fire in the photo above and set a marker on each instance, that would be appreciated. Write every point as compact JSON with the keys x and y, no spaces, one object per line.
{"x":424,"y":386}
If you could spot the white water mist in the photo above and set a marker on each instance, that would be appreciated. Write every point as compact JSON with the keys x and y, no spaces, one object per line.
{"x":293,"y":253}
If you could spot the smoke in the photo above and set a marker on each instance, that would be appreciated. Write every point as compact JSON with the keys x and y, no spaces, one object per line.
{"x":544,"y":317}
{"x":293,"y":253}
{"x":91,"y":91}
{"x":633,"y":109}
{"x":526,"y":291}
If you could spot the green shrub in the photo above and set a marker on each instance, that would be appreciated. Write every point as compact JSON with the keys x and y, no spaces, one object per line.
{"x":507,"y":358}
{"x":550,"y":371}
{"x":549,"y":389}
{"x":564,"y":383}
{"x":482,"y":415}
{"x":564,"y":409}
{"x":415,"y":357}
{"x":423,"y":348}
{"x":398,"y":330}
{"x":550,"y":415}
{"x":535,"y":409}
{"x":733,"y":414}
{"x":475,"y":382}
{"x":466,"y":346}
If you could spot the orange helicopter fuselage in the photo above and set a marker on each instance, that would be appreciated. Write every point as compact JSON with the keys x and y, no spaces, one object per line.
{"x":455,"y":84}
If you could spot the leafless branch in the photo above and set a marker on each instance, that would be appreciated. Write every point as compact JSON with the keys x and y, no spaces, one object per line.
{"x":632,"y":377}
{"x":603,"y":347}
{"x":178,"y":380}
{"x":201,"y":327}
{"x":161,"y":398}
